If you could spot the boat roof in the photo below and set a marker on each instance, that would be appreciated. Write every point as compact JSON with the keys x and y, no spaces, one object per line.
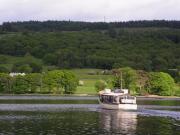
{"x":113,"y":94}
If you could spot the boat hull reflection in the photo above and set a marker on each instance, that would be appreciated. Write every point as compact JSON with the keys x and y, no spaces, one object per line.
{"x":122,"y":122}
{"x":119,"y":106}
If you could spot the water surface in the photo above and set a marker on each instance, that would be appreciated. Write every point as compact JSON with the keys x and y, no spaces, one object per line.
{"x":38,"y":115}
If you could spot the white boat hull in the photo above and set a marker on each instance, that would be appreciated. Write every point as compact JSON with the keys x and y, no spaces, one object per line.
{"x":119,"y":106}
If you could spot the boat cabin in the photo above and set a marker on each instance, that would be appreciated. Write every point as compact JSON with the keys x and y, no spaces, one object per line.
{"x":117,"y":97}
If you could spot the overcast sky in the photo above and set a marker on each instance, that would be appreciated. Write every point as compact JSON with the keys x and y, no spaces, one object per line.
{"x":89,"y":10}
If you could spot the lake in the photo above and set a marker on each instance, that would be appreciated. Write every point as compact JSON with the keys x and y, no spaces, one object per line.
{"x":41,"y":115}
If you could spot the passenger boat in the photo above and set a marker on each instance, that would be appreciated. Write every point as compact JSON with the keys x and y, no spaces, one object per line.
{"x":117,"y":99}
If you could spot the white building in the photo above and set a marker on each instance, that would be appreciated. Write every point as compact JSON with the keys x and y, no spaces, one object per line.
{"x":16,"y":74}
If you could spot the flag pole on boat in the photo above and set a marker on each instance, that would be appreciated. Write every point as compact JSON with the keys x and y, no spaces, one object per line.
{"x":121,"y":80}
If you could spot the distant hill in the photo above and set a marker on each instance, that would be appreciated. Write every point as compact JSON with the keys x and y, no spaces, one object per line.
{"x":78,"y":26}
{"x":146,"y":45}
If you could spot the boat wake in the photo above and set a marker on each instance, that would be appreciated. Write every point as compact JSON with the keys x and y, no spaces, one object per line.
{"x":160,"y":113}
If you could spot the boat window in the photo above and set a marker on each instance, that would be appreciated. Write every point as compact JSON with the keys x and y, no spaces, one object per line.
{"x":107,"y":99}
{"x":101,"y":98}
{"x":120,"y":98}
{"x":115,"y":99}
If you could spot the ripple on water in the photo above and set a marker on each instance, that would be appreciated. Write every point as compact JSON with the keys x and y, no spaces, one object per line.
{"x":82,"y":119}
{"x":148,"y":110}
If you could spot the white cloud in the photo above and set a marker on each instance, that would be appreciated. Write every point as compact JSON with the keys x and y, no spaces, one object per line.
{"x":88,"y":10}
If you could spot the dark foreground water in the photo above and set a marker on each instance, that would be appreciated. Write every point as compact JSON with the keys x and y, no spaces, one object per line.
{"x":39,"y":115}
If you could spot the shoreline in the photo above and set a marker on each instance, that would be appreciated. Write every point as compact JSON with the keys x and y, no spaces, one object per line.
{"x":149,"y":97}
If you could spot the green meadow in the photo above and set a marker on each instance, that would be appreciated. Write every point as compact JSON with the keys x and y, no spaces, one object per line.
{"x":89,"y":78}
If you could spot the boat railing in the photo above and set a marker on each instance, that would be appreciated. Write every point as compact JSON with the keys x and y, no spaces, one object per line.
{"x":128,"y":100}
{"x":117,"y":99}
{"x":109,"y":99}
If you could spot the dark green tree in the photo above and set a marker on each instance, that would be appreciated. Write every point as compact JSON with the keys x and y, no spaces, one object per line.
{"x":70,"y":82}
{"x":4,"y":69}
{"x":34,"y":81}
{"x":112,"y":33}
{"x":5,"y":83}
{"x":20,"y":85}
{"x":125,"y":78}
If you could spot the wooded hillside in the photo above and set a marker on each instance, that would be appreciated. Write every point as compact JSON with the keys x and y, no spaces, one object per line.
{"x":145,"y":45}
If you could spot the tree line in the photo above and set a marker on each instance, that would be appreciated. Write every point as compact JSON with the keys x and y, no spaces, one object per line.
{"x":49,"y":26}
{"x":141,"y":82}
{"x":56,"y":82}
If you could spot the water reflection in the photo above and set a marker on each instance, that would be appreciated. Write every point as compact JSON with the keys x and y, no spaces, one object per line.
{"x":122,"y":122}
{"x":86,"y":122}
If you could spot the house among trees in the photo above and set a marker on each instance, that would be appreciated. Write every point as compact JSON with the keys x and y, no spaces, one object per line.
{"x":16,"y":74}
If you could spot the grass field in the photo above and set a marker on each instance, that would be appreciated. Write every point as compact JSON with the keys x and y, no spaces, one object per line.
{"x":89,"y":77}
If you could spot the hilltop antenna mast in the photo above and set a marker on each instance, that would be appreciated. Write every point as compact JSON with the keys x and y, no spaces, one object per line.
{"x":104,"y":19}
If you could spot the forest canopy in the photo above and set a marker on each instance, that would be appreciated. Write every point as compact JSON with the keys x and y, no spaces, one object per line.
{"x":78,"y":25}
{"x":145,"y":45}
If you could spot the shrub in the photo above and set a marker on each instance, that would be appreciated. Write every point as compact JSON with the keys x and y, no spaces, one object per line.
{"x":161,"y":84}
{"x":100,"y":85}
